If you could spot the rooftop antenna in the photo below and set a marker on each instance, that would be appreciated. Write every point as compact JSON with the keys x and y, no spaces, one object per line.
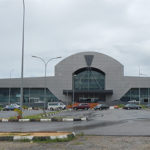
{"x":140,"y":73}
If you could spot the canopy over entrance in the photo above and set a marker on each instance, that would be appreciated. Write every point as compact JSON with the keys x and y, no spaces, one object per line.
{"x":88,"y":96}
{"x":105,"y":92}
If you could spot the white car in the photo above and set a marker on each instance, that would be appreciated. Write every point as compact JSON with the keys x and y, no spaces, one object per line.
{"x":56,"y":106}
{"x":11,"y":107}
{"x":15,"y":105}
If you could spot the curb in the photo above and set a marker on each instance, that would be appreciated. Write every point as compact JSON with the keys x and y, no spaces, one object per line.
{"x":53,"y":113}
{"x":45,"y":120}
{"x":36,"y":138}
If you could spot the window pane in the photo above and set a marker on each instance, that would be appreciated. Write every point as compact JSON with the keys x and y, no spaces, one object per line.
{"x":89,"y":80}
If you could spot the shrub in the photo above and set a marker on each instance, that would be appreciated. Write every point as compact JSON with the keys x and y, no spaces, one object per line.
{"x":121,"y":105}
{"x":19,"y":113}
{"x":1,"y":108}
{"x":59,"y":119}
{"x":143,"y":106}
{"x":25,"y":107}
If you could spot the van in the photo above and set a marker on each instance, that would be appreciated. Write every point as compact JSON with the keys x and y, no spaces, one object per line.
{"x":56,"y":106}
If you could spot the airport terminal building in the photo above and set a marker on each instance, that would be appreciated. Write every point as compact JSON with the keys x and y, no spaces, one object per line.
{"x":82,"y":77}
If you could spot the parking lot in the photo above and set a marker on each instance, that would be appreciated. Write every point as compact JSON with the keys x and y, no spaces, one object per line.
{"x":106,"y":122}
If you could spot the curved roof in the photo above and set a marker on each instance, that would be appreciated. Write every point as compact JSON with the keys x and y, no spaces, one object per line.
{"x":89,"y":53}
{"x":97,"y":60}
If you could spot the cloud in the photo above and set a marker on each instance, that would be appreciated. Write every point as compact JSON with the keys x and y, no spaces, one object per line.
{"x":60,"y":28}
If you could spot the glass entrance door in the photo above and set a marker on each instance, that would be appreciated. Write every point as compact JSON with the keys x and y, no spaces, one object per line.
{"x":89,"y":98}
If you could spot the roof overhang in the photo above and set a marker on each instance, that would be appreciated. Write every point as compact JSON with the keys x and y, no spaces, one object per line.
{"x":104,"y":92}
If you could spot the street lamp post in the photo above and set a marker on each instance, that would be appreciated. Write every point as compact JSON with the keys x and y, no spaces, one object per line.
{"x":45,"y":66}
{"x":73,"y":92}
{"x":22,"y":60}
{"x":139,"y":96}
{"x":10,"y":87}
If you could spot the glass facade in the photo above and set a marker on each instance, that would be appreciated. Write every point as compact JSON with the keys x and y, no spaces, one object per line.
{"x":31,"y":95}
{"x":142,"y":94}
{"x":89,"y":79}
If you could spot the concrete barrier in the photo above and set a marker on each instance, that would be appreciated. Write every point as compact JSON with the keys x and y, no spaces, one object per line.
{"x":24,"y":120}
{"x":68,"y":119}
{"x":45,"y":120}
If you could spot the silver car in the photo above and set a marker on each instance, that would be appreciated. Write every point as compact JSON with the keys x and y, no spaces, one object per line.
{"x":56,"y":106}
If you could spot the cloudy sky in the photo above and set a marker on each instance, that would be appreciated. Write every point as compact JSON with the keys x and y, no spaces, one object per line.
{"x":118,"y":28}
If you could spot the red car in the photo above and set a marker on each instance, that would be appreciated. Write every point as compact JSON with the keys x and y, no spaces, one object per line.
{"x":81,"y":106}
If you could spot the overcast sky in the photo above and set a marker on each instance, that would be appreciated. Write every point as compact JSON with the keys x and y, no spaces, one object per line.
{"x":118,"y":28}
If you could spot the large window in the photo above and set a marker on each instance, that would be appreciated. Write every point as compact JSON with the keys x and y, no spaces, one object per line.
{"x":142,"y":94}
{"x":4,"y":95}
{"x":89,"y":79}
{"x":30,"y":95}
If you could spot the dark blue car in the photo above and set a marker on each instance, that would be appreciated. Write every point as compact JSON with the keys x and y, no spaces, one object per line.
{"x":101,"y":107}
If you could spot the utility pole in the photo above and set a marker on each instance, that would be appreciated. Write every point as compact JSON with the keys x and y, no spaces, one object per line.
{"x":22,"y":61}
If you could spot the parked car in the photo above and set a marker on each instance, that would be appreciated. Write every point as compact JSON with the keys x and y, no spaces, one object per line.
{"x":81,"y":106}
{"x":132,"y":106}
{"x":11,"y":107}
{"x":56,"y":106}
{"x":101,"y":107}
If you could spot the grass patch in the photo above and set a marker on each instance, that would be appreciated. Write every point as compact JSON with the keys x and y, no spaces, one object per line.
{"x":39,"y":116}
{"x":78,"y":143}
{"x":48,"y":140}
{"x":35,"y":117}
{"x":80,"y":134}
{"x":12,"y":118}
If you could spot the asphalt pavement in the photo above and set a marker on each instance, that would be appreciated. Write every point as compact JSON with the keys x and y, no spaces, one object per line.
{"x":109,"y":122}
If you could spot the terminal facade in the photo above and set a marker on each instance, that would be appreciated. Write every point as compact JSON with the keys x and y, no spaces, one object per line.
{"x":82,"y":77}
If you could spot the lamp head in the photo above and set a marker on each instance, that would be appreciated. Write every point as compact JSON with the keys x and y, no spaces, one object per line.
{"x":34,"y":56}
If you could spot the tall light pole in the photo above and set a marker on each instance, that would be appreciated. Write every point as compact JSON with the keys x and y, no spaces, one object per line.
{"x":45,"y":66}
{"x":22,"y":62}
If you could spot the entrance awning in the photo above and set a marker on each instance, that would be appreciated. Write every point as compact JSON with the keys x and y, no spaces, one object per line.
{"x":104,"y":92}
